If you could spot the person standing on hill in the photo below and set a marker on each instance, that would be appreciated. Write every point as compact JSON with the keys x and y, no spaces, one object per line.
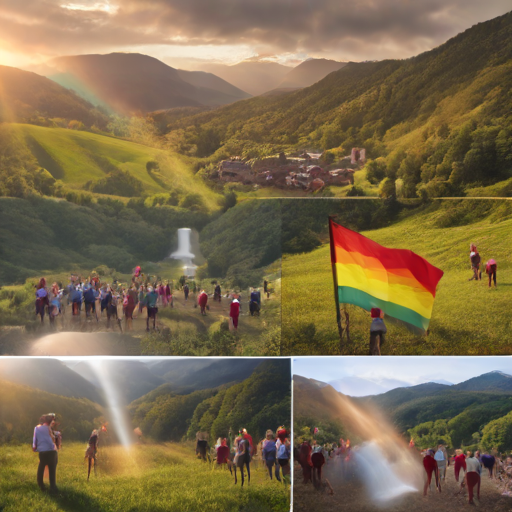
{"x":460,"y":463}
{"x":318,"y":460}
{"x":129,"y":308}
{"x":151,"y":300}
{"x":442,"y":460}
{"x":186,"y":290}
{"x":41,"y":298}
{"x":475,"y":259}
{"x":490,"y":269}
{"x":473,"y":472}
{"x":269,"y":454}
{"x":488,"y":462}
{"x":45,"y":442}
{"x":377,"y":331}
{"x":283,"y":453}
{"x":89,"y":301}
{"x":430,"y":465}
{"x":168,"y":294}
{"x":234,"y":313}
{"x":202,"y":300}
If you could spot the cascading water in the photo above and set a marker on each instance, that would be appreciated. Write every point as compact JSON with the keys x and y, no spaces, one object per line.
{"x":184,"y":252}
{"x":379,"y":476}
{"x":116,"y":407}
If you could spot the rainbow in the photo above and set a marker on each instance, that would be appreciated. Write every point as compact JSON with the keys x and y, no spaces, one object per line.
{"x":368,"y":275}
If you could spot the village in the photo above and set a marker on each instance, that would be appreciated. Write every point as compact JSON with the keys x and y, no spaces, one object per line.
{"x":305,"y":171}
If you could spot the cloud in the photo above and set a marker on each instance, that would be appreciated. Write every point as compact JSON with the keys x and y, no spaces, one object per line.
{"x":342,"y":29}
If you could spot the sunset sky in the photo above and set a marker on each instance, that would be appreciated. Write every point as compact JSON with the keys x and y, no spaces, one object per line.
{"x":189,"y":33}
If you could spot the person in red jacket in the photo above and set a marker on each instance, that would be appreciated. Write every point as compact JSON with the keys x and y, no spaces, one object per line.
{"x":430,"y":465}
{"x":305,"y":461}
{"x":460,"y":463}
{"x":223,"y":454}
{"x":202,"y":300}
{"x":234,"y":312}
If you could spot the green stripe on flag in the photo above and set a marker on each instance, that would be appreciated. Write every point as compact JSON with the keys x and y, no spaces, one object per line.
{"x":348,"y":295}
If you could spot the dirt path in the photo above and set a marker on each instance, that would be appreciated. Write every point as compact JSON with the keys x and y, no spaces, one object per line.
{"x":350,"y":494}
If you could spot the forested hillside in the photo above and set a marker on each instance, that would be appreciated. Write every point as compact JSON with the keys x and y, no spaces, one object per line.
{"x":259,"y":402}
{"x":475,"y":412}
{"x":433,"y":125}
{"x":22,"y":406}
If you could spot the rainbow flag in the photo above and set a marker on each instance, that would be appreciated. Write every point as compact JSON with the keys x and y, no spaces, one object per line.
{"x":368,"y":275}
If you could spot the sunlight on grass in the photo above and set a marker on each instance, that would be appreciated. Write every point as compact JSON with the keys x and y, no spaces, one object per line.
{"x":467,"y":317}
{"x":148,"y":477}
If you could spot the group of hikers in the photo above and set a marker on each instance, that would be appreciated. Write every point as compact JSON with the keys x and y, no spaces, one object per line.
{"x":491,"y":266}
{"x":238,"y":453}
{"x":468,"y":468}
{"x":312,"y":456}
{"x":98,"y":298}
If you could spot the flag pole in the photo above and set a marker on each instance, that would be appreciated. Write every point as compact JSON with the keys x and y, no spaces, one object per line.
{"x":335,"y":281}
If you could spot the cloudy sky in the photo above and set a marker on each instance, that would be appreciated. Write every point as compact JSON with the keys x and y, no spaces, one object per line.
{"x":189,"y":33}
{"x":362,"y":375}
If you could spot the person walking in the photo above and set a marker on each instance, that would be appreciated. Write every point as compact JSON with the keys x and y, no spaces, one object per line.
{"x":430,"y":466}
{"x":460,"y":463}
{"x":151,"y":300}
{"x":473,"y":472}
{"x":441,"y":458}
{"x":234,"y":313}
{"x":202,"y":300}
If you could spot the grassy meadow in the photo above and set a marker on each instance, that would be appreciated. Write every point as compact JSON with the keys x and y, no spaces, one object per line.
{"x":74,"y":157}
{"x":148,"y":477}
{"x":467,"y":317}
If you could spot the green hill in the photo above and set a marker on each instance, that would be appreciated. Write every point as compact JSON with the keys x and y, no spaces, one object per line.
{"x":45,"y":235}
{"x":28,"y":97}
{"x":467,"y":317}
{"x":259,"y":402}
{"x":439,"y":120}
{"x":77,"y":157}
{"x":22,"y":406}
{"x":428,"y":413}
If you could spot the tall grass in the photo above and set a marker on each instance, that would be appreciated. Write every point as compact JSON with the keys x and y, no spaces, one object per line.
{"x":149,"y":477}
{"x":467,"y":317}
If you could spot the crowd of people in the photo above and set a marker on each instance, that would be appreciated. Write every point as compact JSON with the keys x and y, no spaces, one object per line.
{"x":98,"y":298}
{"x":237,"y":453}
{"x":468,"y":468}
{"x":312,"y":456}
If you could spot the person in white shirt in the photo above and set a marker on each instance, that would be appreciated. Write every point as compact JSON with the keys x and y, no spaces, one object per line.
{"x":473,"y":472}
{"x":441,"y":458}
{"x":45,"y":443}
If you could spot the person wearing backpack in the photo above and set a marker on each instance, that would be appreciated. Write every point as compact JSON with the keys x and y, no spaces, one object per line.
{"x":490,"y":269}
{"x":283,"y":452}
{"x":269,"y":454}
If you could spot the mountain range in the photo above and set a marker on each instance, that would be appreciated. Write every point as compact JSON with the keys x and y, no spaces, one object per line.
{"x":219,"y":394}
{"x":462,"y":409}
{"x":438,"y":120}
